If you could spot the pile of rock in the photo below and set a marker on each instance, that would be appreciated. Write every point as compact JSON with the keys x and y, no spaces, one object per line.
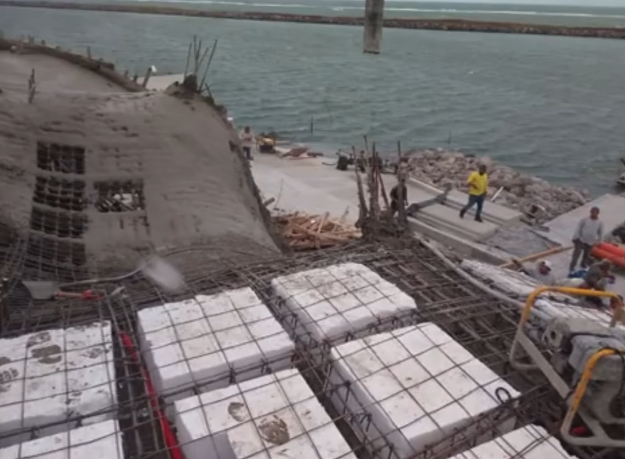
{"x":440,"y":167}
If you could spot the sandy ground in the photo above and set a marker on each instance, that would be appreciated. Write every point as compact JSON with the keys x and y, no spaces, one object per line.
{"x":176,"y":154}
{"x":52,"y":75}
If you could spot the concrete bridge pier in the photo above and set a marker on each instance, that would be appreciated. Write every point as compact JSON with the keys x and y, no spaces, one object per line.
{"x":374,"y":18}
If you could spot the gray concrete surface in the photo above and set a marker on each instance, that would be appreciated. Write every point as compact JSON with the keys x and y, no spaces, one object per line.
{"x":612,"y":213}
{"x":195,"y":189}
{"x":309,"y":186}
{"x":519,"y":240}
{"x":492,"y":212}
{"x":162,"y":82}
{"x":448,"y":219}
{"x":51,"y":75}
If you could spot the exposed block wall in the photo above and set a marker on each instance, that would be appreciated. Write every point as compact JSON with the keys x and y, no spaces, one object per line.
{"x":206,"y":340}
{"x":346,"y":298}
{"x":417,"y":383}
{"x":56,"y":375}
{"x":275,"y":416}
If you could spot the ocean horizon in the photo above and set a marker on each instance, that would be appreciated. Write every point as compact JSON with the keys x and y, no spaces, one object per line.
{"x":550,"y":106}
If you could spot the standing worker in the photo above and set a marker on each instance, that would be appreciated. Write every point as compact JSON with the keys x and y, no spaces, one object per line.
{"x":589,"y":231}
{"x":395,"y":198}
{"x":247,"y":142}
{"x":478,"y":186}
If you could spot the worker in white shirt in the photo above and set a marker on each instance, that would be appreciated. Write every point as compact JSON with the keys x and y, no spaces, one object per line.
{"x":247,"y":142}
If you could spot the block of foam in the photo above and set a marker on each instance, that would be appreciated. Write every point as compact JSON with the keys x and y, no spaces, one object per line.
{"x":418,"y":384}
{"x":274,"y":416}
{"x":199,"y":342}
{"x":53,"y":376}
{"x":530,"y":442}
{"x":346,"y":298}
{"x":101,"y":440}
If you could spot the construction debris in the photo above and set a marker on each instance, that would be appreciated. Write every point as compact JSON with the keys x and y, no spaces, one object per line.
{"x":308,"y":232}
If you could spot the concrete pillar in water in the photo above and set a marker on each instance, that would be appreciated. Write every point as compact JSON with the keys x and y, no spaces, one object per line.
{"x":374,"y":18}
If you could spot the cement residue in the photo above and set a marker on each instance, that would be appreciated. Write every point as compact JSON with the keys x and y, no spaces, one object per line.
{"x":519,"y":240}
{"x":237,"y":411}
{"x":274,"y":431}
{"x":520,"y":192}
{"x":47,"y":355}
{"x":51,"y":75}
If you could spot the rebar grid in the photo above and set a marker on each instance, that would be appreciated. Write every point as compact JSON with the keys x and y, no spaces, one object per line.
{"x":477,"y":322}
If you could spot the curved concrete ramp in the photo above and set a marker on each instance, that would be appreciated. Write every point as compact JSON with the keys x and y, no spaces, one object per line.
{"x":94,"y":177}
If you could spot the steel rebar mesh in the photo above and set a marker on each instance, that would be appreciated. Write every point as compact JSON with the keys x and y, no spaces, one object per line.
{"x":480,"y":324}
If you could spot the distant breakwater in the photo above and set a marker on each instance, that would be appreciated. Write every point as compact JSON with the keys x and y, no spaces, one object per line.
{"x":458,"y":25}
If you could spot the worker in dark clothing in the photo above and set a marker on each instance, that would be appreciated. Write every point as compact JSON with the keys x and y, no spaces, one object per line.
{"x":361,"y":162}
{"x":395,"y":198}
{"x":598,"y":276}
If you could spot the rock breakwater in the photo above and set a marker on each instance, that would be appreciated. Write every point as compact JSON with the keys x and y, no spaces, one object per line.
{"x":460,"y":25}
{"x":528,"y":194}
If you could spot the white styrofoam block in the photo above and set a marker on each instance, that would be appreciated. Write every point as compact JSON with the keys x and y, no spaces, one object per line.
{"x":548,"y":306}
{"x":101,"y":440}
{"x":330,"y":302}
{"x":55,"y":375}
{"x":417,"y":383}
{"x":272,"y":416}
{"x":513,"y":283}
{"x":530,"y":442}
{"x":553,"y":309}
{"x":197,"y":342}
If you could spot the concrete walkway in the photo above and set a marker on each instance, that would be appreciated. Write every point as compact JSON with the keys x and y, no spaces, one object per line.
{"x":562,"y":228}
{"x":306,"y":184}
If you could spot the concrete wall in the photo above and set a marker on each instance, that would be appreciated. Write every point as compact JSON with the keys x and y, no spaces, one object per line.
{"x":104,"y":69}
{"x":374,"y":19}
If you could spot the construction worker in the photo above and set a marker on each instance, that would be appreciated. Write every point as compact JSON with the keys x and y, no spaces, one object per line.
{"x":599,"y":276}
{"x":589,"y":231}
{"x":247,"y":142}
{"x":541,"y":271}
{"x":478,"y":187}
{"x":395,"y":198}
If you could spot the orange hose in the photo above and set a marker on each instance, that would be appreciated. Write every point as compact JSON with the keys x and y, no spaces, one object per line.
{"x":611,"y":248}
{"x":605,"y":255}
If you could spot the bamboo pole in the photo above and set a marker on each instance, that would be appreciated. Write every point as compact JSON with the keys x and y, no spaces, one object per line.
{"x":536,"y":256}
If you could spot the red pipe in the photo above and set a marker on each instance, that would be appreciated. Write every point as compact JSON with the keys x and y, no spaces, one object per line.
{"x":168,"y":434}
{"x":605,"y":255}
{"x":611,"y":248}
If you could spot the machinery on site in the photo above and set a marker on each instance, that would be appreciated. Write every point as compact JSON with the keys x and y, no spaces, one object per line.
{"x":266,"y":144}
{"x":584,"y":361}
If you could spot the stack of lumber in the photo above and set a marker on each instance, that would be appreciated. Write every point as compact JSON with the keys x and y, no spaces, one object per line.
{"x":306,"y":232}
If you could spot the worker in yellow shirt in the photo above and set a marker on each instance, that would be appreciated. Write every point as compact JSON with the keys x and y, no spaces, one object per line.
{"x":478,"y":186}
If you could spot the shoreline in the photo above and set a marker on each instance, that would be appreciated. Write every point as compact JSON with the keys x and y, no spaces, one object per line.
{"x":452,"y":25}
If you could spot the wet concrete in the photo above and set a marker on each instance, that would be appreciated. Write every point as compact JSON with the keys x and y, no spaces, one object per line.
{"x":169,"y":157}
